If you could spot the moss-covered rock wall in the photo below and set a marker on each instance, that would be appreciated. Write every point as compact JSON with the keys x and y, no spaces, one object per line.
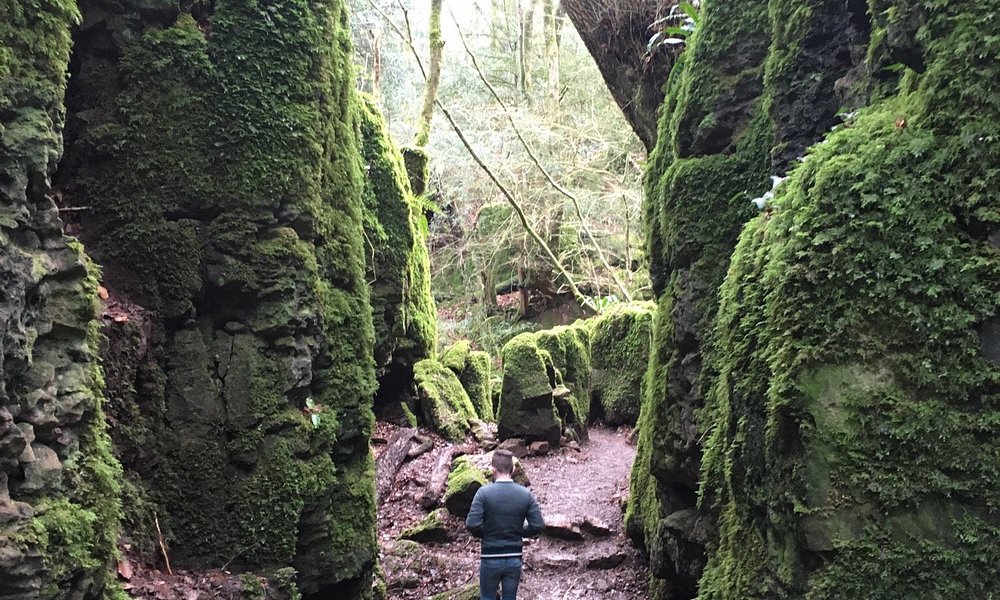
{"x":853,"y":447}
{"x":397,"y":260}
{"x":792,"y":408}
{"x":219,"y":151}
{"x":59,"y":483}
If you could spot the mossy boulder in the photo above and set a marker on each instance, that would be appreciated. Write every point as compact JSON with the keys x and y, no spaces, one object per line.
{"x":570,"y":351}
{"x":445,"y":405}
{"x":468,"y":474}
{"x":475,"y":370}
{"x":527,"y":408}
{"x":620,"y":355}
{"x":464,"y":481}
{"x":433,"y":528}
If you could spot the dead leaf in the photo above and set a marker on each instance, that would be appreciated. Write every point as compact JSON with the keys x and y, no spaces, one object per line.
{"x":125,"y":569}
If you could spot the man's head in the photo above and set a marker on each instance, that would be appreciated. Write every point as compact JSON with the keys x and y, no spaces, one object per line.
{"x":503,"y":464}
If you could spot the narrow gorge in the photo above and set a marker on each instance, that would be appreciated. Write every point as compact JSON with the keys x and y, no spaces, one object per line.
{"x":224,"y":320}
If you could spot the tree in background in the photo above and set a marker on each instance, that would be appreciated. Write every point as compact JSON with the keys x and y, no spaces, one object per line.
{"x":575,"y":129}
{"x":433,"y":76}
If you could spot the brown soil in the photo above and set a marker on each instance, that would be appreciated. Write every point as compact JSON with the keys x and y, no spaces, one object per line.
{"x":589,"y":482}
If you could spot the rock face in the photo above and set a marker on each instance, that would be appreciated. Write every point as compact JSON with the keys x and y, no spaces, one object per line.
{"x":59,"y":483}
{"x":620,"y":352}
{"x":219,"y":151}
{"x":850,"y":317}
{"x":398,"y":266}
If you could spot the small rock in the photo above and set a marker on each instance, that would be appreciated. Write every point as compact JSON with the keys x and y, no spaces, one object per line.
{"x":608,"y":559}
{"x":557,"y":561}
{"x":15,"y":511}
{"x":515,"y":446}
{"x":431,"y":529}
{"x":44,"y":474}
{"x":575,"y":446}
{"x":595,"y":526}
{"x":562,"y":528}
{"x":539,"y":448}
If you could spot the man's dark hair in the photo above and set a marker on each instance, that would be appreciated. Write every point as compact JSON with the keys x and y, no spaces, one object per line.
{"x":503,"y":462}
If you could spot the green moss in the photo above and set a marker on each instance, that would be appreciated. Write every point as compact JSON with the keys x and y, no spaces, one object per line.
{"x":432,"y":528}
{"x":398,"y":263}
{"x":417,"y":164}
{"x":456,"y":356}
{"x":411,"y":418}
{"x":475,"y":370}
{"x":464,"y":481}
{"x":445,"y":404}
{"x":620,"y":342}
{"x":856,"y":399}
{"x":478,"y":381}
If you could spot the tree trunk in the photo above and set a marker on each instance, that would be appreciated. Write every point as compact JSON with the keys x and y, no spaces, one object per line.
{"x":552,"y":24}
{"x":527,"y":22}
{"x":617,"y":33}
{"x":433,"y":76}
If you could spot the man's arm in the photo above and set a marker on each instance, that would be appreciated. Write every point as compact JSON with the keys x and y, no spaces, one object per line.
{"x":535,"y":523}
{"x":474,"y":522}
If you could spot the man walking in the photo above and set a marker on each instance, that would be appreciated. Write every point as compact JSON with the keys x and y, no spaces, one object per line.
{"x":498,"y":516}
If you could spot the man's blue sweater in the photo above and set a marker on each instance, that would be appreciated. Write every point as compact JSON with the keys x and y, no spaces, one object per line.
{"x":498,"y":517}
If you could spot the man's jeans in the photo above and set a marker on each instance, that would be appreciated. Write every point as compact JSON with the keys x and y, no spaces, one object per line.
{"x":499,"y":572}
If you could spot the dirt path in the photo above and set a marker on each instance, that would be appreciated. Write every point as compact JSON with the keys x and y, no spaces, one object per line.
{"x":577,"y":484}
{"x":591,"y":483}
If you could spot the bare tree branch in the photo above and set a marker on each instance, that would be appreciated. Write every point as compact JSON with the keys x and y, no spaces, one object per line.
{"x":537,"y":162}
{"x":507,"y":194}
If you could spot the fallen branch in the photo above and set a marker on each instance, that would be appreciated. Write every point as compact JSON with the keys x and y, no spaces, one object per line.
{"x":439,"y":477}
{"x":163,"y":545}
{"x":425,"y":445}
{"x":390,"y":461}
